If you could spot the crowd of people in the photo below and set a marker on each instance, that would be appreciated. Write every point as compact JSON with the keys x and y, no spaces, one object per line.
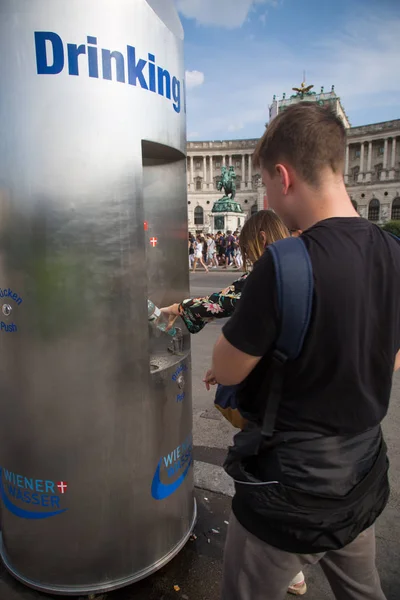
{"x":215,"y":250}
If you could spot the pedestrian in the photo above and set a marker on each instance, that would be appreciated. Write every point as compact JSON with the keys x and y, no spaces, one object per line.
{"x":319,"y":485}
{"x":191,"y":242}
{"x":229,"y":248}
{"x":204,"y":248}
{"x":259,"y":231}
{"x":198,"y":254}
{"x":221,"y":248}
{"x":211,"y":252}
{"x":237,"y":255}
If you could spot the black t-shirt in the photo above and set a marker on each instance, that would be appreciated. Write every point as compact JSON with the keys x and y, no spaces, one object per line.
{"x":341,"y":382}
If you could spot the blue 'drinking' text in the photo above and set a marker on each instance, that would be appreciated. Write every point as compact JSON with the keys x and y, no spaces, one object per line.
{"x":128,"y":68}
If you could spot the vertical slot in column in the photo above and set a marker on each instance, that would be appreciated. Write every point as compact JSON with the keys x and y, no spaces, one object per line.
{"x":165,"y":223}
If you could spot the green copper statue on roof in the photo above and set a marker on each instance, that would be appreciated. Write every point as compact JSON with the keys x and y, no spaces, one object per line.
{"x":303,"y":90}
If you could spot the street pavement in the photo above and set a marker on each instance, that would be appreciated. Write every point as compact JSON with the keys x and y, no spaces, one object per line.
{"x":197,"y":569}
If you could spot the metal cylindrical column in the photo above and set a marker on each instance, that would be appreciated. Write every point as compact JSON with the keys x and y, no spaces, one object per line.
{"x":96,"y":474}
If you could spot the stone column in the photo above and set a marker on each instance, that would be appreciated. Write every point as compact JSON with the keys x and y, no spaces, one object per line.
{"x":385,"y":157}
{"x":191,"y":174}
{"x":394,"y":153}
{"x":393,"y":159}
{"x":211,"y":173}
{"x":369,"y":163}
{"x":230,"y":160}
{"x":224,"y":161}
{"x":346,"y":164}
{"x":250,"y":173}
{"x":204,"y":182}
{"x":243,"y":179}
{"x":260,"y":197}
{"x":361,"y":173}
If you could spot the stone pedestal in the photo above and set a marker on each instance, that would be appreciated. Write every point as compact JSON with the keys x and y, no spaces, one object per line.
{"x":227,"y":214}
{"x":227,"y":222}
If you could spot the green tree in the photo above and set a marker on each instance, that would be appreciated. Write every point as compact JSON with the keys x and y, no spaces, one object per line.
{"x":392,"y":227}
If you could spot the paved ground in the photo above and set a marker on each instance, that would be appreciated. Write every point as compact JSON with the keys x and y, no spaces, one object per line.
{"x":197,"y":569}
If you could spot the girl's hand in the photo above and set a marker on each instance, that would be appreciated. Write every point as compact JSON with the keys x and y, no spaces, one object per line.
{"x":172,"y":312}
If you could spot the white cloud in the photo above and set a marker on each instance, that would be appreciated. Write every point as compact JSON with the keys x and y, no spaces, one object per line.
{"x":361,"y":69}
{"x":194,"y":79}
{"x":263,"y":17}
{"x":235,"y":127}
{"x":223,"y":13}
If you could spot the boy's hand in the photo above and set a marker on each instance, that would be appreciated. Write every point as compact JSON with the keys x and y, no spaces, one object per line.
{"x":209,"y":379}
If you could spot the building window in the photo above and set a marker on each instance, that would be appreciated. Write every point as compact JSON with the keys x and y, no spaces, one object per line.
{"x":357,"y":153}
{"x":198,"y":216}
{"x":237,"y":163}
{"x":217,"y":165}
{"x":381,"y":150}
{"x":374,"y":210}
{"x":396,"y":209}
{"x":354,"y":173}
{"x":198,"y":165}
{"x":198,"y":184}
{"x":378,"y":171}
{"x":254,"y":209}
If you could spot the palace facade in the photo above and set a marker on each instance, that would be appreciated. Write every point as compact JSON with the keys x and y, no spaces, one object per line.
{"x":372,"y":168}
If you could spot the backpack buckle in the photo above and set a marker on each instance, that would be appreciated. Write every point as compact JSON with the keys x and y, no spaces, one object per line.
{"x":279,"y":357}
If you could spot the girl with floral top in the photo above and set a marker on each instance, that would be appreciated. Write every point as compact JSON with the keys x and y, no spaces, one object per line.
{"x":259,"y":231}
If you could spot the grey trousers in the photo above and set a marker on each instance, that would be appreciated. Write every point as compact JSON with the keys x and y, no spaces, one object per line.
{"x":253,"y":570}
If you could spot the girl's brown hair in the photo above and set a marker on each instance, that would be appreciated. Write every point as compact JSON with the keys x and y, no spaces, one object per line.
{"x":252,"y":242}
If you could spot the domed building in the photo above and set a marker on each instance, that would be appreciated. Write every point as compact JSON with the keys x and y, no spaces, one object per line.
{"x":372,"y":168}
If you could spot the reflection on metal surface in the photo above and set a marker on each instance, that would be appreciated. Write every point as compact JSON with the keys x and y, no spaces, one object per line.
{"x":85,"y":160}
{"x":115,"y":584}
{"x":178,"y":341}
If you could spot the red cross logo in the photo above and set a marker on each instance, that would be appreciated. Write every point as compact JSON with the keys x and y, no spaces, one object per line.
{"x":153,"y":241}
{"x":62,"y":486}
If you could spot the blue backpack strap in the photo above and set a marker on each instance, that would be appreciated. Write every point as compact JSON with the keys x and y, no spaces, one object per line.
{"x":294,"y":286}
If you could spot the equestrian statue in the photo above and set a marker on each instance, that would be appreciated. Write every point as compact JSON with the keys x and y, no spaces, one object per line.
{"x":227,"y":183}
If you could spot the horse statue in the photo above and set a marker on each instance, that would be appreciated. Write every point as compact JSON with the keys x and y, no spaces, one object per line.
{"x":227,"y":182}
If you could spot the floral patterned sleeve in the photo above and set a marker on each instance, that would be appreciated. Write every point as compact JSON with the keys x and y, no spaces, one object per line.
{"x":197,"y":312}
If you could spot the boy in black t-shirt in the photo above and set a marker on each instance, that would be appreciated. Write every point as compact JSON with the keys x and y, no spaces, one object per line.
{"x":315,"y":493}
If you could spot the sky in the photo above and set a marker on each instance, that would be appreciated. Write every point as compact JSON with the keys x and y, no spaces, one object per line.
{"x":239,"y":53}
